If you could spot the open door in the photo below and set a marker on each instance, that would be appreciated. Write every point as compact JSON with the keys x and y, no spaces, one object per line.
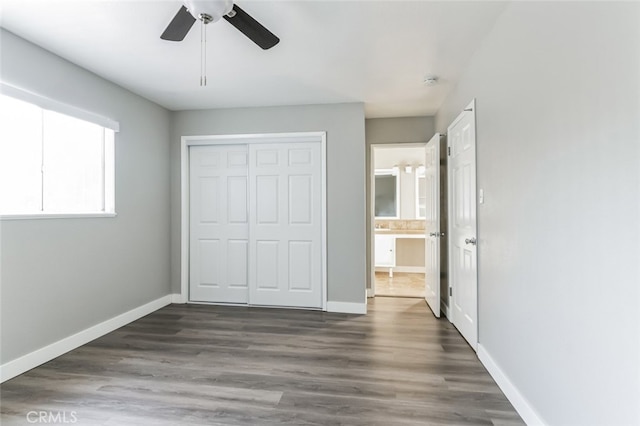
{"x":432,"y":224}
{"x":463,"y":249}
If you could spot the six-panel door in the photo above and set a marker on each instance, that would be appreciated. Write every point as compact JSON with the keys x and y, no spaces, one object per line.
{"x":462,"y":226}
{"x":432,"y":224}
{"x":219,"y":224}
{"x":285,"y":211}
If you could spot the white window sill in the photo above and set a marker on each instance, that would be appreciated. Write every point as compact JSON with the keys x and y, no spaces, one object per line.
{"x":55,"y":216}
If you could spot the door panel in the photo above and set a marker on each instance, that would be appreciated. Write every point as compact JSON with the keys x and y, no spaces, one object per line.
{"x":238,"y":253}
{"x":299,"y":157}
{"x":209,"y":199}
{"x":432,"y":224}
{"x":209,"y":270}
{"x":237,"y":199}
{"x":462,"y":226}
{"x":267,"y":200}
{"x":285,"y":225}
{"x":301,"y":190}
{"x":219,"y":228}
{"x":267,"y":265}
{"x":300,"y":265}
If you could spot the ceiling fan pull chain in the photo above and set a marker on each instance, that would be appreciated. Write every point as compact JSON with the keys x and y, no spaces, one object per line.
{"x":203,"y":53}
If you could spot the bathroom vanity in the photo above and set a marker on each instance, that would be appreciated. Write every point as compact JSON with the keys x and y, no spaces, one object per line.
{"x":386,"y":241}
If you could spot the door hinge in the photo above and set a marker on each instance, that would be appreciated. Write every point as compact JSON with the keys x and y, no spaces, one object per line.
{"x":449,"y":151}
{"x":450,"y":291}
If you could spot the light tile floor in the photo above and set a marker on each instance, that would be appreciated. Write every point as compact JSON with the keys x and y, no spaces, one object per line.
{"x":401,"y":285}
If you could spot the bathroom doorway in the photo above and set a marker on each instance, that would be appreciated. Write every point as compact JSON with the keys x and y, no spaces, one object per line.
{"x":398,"y":217}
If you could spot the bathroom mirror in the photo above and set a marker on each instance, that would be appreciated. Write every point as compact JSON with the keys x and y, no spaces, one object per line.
{"x":387,"y":194}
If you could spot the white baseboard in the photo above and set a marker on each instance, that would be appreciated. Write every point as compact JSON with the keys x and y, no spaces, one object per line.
{"x":519,"y":402}
{"x":370,"y":292}
{"x":31,"y":360}
{"x":347,"y":307}
{"x":177,"y":298}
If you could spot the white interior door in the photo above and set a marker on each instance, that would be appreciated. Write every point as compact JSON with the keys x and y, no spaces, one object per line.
{"x":432,"y":224}
{"x":219,"y":228}
{"x":286,"y":224}
{"x":462,"y":224}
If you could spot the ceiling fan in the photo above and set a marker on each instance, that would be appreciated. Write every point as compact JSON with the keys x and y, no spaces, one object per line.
{"x":208,"y":11}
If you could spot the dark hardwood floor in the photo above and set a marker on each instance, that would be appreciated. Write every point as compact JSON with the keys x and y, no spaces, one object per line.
{"x":213,"y":365}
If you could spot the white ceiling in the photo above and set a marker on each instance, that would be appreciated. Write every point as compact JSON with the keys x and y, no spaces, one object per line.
{"x":376,"y":52}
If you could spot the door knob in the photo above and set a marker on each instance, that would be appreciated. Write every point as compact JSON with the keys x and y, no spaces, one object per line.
{"x":433,"y":234}
{"x":471,"y":240}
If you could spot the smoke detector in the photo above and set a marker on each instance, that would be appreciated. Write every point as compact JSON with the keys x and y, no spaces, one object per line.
{"x":430,"y":80}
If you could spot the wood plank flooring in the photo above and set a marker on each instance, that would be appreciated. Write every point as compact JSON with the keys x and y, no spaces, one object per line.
{"x":213,"y":365}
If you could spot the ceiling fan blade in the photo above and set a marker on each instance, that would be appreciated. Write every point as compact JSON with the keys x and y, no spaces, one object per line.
{"x":252,"y":28}
{"x":179,"y":26}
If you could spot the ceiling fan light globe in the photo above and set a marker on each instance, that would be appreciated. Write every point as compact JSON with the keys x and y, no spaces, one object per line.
{"x":215,"y":9}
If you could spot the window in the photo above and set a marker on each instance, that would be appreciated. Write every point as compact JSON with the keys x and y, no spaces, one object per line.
{"x":53,"y":164}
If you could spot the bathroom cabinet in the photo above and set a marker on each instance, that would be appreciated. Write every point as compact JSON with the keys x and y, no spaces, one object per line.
{"x":385,"y":252}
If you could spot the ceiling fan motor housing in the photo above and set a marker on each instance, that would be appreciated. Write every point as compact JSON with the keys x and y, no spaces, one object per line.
{"x":208,"y":10}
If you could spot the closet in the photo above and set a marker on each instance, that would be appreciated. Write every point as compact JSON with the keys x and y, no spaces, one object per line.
{"x":256,"y":223}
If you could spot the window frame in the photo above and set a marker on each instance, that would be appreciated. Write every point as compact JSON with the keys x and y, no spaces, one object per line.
{"x":110,"y":127}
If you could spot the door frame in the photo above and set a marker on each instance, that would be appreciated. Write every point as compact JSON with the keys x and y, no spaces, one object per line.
{"x":243,"y":139}
{"x":371,"y":291}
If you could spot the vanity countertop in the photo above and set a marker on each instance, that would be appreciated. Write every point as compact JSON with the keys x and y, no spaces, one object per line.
{"x":386,"y":231}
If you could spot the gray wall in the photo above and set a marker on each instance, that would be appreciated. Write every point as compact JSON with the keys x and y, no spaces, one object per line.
{"x":390,"y":131}
{"x":344,"y":124}
{"x":61,"y":276}
{"x":557,"y":89}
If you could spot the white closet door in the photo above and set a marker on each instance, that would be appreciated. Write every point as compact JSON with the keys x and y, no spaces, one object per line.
{"x":219,"y":229}
{"x":285,"y":224}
